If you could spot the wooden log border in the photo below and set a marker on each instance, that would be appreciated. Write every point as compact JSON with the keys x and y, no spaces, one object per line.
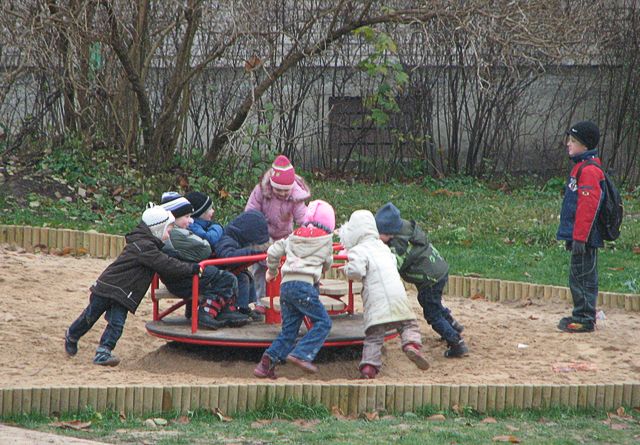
{"x":351,"y":399}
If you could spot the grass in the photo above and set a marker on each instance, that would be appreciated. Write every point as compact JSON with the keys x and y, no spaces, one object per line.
{"x":293,"y":422}
{"x":479,"y":230}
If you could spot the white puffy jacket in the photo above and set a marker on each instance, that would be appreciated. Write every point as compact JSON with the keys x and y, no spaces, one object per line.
{"x":370,"y":260}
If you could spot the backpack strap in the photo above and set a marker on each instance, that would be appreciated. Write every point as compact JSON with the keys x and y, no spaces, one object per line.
{"x":589,"y":162}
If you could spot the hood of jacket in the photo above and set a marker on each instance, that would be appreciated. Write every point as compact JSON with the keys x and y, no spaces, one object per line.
{"x":361,"y":227}
{"x":142,"y":232}
{"x":248,"y":228}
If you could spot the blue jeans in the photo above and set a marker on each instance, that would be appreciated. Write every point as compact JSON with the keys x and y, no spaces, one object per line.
{"x":116,"y":315}
{"x":246,"y":289}
{"x":214,"y":283}
{"x":297,"y":300}
{"x":438,"y":316}
{"x":583,"y":282}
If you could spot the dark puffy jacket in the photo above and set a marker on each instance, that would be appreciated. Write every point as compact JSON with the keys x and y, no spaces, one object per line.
{"x":419,"y":262}
{"x":127,"y":279}
{"x":247,"y":234}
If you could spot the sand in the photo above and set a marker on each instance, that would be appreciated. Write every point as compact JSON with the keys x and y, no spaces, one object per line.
{"x":516,"y":342}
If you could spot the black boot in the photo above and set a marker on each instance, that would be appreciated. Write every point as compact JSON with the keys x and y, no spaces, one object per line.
{"x":207,"y":314}
{"x":455,"y":350}
{"x":231,"y":317}
{"x":253,"y":315}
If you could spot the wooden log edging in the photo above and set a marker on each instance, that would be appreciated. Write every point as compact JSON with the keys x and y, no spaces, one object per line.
{"x":351,"y":399}
{"x":100,"y":245}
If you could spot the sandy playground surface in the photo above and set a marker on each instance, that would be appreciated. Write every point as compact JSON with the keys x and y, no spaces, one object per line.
{"x":40,"y":295}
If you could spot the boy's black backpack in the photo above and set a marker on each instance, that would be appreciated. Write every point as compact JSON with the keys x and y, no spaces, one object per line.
{"x":611,"y":211}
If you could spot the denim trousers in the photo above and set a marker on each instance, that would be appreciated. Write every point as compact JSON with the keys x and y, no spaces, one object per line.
{"x":297,"y":300}
{"x":374,"y":339}
{"x":246,"y":289}
{"x":438,"y":316}
{"x":116,"y":315}
{"x":214,"y":283}
{"x":583,"y":282}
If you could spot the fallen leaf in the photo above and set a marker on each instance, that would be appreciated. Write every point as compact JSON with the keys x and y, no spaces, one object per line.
{"x":533,"y":317}
{"x":636,"y":250}
{"x":488,"y":420}
{"x":510,"y":439}
{"x":478,"y":296}
{"x":220,"y":415}
{"x":122,"y":416}
{"x":67,"y":251}
{"x":119,"y":189}
{"x":182,"y":420}
{"x":508,"y":240}
{"x":526,"y":303}
{"x":72,"y":425}
{"x":621,"y":412}
{"x":437,"y":418}
{"x":223,"y":194}
{"x":81,"y":251}
{"x":456,"y":409}
{"x":370,"y":416}
{"x":337,"y":413}
{"x":615,"y":268}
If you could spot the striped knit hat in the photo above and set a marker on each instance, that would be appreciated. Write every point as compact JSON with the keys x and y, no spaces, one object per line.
{"x":179,"y":206}
{"x":283,"y":174}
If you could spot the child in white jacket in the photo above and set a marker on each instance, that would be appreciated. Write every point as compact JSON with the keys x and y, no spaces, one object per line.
{"x":309,"y":252}
{"x":386,"y":306}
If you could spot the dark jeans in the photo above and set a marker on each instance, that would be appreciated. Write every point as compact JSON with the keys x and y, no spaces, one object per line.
{"x":438,"y":316}
{"x":583,"y":282}
{"x":214,"y":283}
{"x":246,"y":289}
{"x":116,"y":315}
{"x":298,"y":299}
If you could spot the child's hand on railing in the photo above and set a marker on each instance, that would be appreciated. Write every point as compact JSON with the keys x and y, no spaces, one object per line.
{"x":269,"y":276}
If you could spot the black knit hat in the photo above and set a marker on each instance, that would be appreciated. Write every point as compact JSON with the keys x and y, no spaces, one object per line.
{"x":388,"y":219}
{"x":200,"y":202}
{"x":586,"y":132}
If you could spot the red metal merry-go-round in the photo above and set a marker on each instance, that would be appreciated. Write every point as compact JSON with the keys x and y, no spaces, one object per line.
{"x":336,"y":295}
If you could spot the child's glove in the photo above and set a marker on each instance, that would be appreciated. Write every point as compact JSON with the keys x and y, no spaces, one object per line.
{"x":578,"y":248}
{"x":197,"y":270}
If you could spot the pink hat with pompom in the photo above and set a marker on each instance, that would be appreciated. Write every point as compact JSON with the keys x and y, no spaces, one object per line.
{"x":320,"y":213}
{"x":283,"y":174}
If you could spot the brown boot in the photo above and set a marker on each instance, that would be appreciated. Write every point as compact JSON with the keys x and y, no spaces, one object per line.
{"x":368,"y":372}
{"x":266,"y":368}
{"x":415,"y":355}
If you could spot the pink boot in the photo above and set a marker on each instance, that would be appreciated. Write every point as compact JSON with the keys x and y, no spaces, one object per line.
{"x":368,"y":372}
{"x":415,"y":355}
{"x":266,"y":368}
{"x":306,"y":366}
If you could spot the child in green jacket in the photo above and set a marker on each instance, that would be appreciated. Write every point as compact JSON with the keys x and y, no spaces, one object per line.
{"x":420,"y":263}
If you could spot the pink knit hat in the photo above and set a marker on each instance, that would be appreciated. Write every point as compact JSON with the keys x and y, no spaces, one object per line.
{"x":282,"y":173}
{"x":320,"y":212}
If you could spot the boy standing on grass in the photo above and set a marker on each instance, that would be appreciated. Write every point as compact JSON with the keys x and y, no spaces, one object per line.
{"x":123,"y":284}
{"x":386,"y":306}
{"x":578,"y":228}
{"x":421,"y":264}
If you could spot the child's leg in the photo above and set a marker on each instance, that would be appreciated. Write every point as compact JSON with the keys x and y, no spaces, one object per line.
{"x":97,"y":306}
{"x":430,"y":298}
{"x":583,"y":282}
{"x":291,"y":321}
{"x":412,"y":342}
{"x":372,"y":348}
{"x":306,"y":299}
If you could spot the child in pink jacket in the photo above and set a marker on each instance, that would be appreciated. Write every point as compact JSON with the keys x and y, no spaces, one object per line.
{"x":280,"y":196}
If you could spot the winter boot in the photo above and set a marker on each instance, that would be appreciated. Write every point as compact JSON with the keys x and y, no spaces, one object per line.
{"x":252,"y":314}
{"x":266,"y":368}
{"x":567,"y":324}
{"x":70,"y":345}
{"x":412,"y":350}
{"x":368,"y":372}
{"x":306,"y":366}
{"x":104,"y":357}
{"x":207,"y":314}
{"x":457,"y":350}
{"x":231,"y":317}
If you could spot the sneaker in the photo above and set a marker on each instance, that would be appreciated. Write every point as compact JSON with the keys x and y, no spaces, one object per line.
{"x":306,"y":366}
{"x":415,"y":355}
{"x":455,"y":350}
{"x":231,"y":317}
{"x":252,"y":314}
{"x":266,"y":368}
{"x":564,"y":321}
{"x":206,"y":320}
{"x":70,"y":346}
{"x":575,"y":327}
{"x":368,"y":372}
{"x":104,"y":357}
